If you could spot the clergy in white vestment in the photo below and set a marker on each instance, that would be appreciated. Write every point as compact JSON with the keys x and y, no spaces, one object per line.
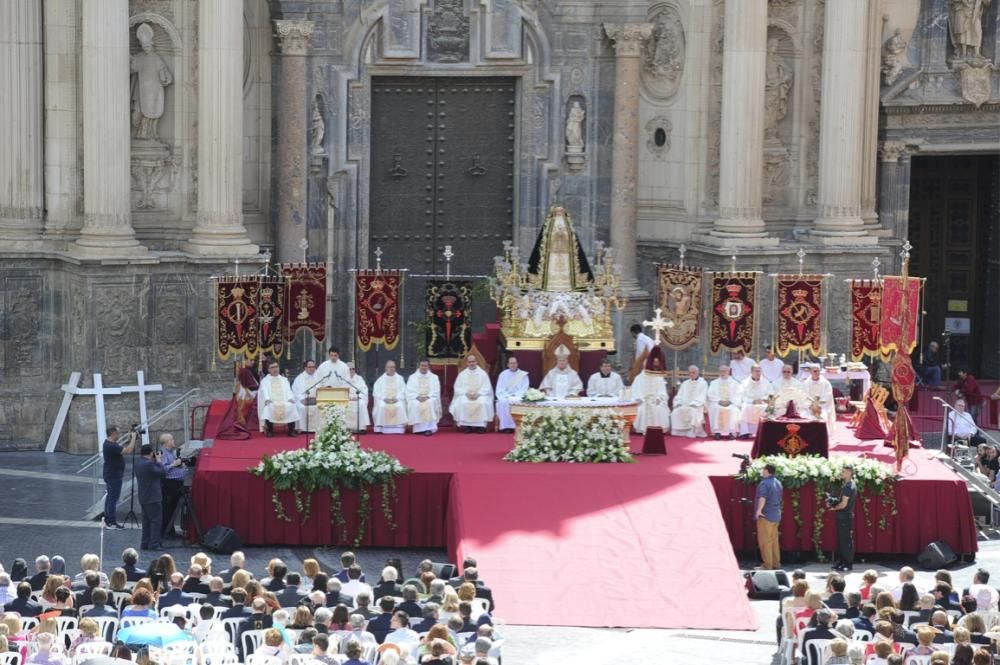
{"x":724,"y":404}
{"x":304,"y":387}
{"x":276,"y":402}
{"x":333,"y":371}
{"x":688,"y":416}
{"x":511,"y":385}
{"x":770,"y":367}
{"x":643,"y":345}
{"x":389,"y":411}
{"x":423,"y":399}
{"x":650,"y":389}
{"x":787,"y":389}
{"x":740,"y":366}
{"x":604,"y":382}
{"x":472,"y":402}
{"x":755,"y":391}
{"x":819,"y":396}
{"x":562,"y":381}
{"x":357,"y":418}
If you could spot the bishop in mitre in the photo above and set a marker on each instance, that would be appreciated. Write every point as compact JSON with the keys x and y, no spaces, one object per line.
{"x":511,"y":386}
{"x":650,"y":389}
{"x":389,"y":409}
{"x":357,"y":417}
{"x":787,"y":389}
{"x":604,"y":382}
{"x":819,"y":395}
{"x":724,"y":400}
{"x":304,"y":387}
{"x":333,"y":371}
{"x":562,"y":381}
{"x":756,"y":392}
{"x":423,"y":399}
{"x":276,"y":403}
{"x":472,"y":403}
{"x":688,"y":416}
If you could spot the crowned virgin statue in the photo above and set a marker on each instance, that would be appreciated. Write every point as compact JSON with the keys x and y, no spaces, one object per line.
{"x":557,"y":261}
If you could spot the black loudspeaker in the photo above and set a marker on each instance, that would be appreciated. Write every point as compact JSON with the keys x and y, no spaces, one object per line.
{"x":765,"y":584}
{"x":937,"y":555}
{"x":445,"y":571}
{"x":222,"y":540}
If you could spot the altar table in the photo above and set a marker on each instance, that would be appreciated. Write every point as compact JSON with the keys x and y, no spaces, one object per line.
{"x":812,"y":433}
{"x":626,"y":409}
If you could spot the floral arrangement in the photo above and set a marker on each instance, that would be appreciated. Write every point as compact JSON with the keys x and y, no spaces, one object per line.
{"x":534,"y":395}
{"x":332,"y":461}
{"x":571,"y":435}
{"x":871,"y":478}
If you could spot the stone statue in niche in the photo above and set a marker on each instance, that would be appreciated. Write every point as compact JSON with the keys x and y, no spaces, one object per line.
{"x":892,"y":62}
{"x":777,"y":85}
{"x":150,"y":77}
{"x":574,"y":136}
{"x":318,"y":128}
{"x":665,"y":50}
{"x":965,"y":19}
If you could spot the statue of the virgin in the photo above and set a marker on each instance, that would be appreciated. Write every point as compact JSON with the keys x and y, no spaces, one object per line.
{"x":557,"y":261}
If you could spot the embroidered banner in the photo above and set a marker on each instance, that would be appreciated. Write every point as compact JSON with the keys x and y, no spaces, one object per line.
{"x":680,"y":300}
{"x":866,"y":311}
{"x":896,"y":307}
{"x":376,"y":297}
{"x":305,"y":299}
{"x":236,"y":327}
{"x":800,"y":313}
{"x":271,"y":314}
{"x":449,"y":311}
{"x":734,"y":302}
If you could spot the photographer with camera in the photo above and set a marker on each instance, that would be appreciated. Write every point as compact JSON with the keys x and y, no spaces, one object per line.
{"x":149,"y":474}
{"x":767,"y":502}
{"x":844,"y":507}
{"x":114,"y":453}
{"x":173,"y":483}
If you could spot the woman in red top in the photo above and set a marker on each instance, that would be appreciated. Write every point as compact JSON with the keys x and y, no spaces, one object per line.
{"x":869,"y":577}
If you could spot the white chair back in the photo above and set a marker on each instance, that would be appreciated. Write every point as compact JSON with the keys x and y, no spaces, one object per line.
{"x":232,"y":626}
{"x":479,"y":606}
{"x":27,"y":623}
{"x":259,"y":659}
{"x":817,"y":650}
{"x":107,"y":627}
{"x":918,"y":660}
{"x":65,"y":623}
{"x":252,"y":639}
{"x":862,"y":635}
{"x":10,"y":659}
{"x":91,"y":649}
{"x":128,"y":622}
{"x":224,"y":659}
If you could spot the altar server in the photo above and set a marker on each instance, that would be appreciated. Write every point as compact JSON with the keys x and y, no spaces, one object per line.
{"x":819,"y":393}
{"x":787,"y":389}
{"x":390,"y":402}
{"x":423,"y":399}
{"x":755,"y":391}
{"x":740,"y":366}
{"x":650,"y":389}
{"x":688,"y":416}
{"x":562,"y":381}
{"x":304,"y":387}
{"x":511,"y":385}
{"x":333,"y":370}
{"x":723,"y":405}
{"x":472,"y":404}
{"x":770,"y":367}
{"x":643,"y":345}
{"x":358,"y":419}
{"x":276,"y":402}
{"x":605,"y":383}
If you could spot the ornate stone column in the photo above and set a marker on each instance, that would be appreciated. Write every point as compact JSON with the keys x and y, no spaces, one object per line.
{"x":219,"y":230}
{"x":841,"y":135}
{"x":629,"y":39}
{"x":741,"y":137}
{"x":21,"y":148}
{"x":869,"y":142}
{"x":292,"y":164}
{"x":894,"y":194}
{"x":107,"y":220}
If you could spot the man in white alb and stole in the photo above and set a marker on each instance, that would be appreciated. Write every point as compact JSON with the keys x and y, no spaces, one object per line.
{"x":787,"y":389}
{"x":562,"y":381}
{"x":511,"y":385}
{"x":650,"y":388}
{"x":688,"y":416}
{"x":472,"y":403}
{"x":604,"y":382}
{"x":357,"y":418}
{"x":389,"y":411}
{"x":276,"y":402}
{"x":756,"y":390}
{"x":423,"y":399}
{"x":724,"y":405}
{"x":819,"y":394}
{"x":333,"y":371}
{"x":304,"y":387}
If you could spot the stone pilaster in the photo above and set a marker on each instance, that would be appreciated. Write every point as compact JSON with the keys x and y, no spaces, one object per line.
{"x":741,"y":143}
{"x":292,"y":166}
{"x":21,"y":148}
{"x":629,"y":39}
{"x":841,"y":133}
{"x":869,"y":142}
{"x":894,"y":194}
{"x":219,"y":230}
{"x":107,"y":223}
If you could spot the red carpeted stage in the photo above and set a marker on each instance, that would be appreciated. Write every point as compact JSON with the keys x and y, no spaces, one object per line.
{"x":579,"y":544}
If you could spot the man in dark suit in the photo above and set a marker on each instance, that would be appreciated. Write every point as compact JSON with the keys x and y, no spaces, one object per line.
{"x":820,"y":632}
{"x":236,"y":561}
{"x":92,"y":580}
{"x":939,"y":622}
{"x":99,"y":599}
{"x":457,"y":581}
{"x":866,"y":620}
{"x":410,"y":605}
{"x":382,"y":624}
{"x":347,"y":559}
{"x":258,"y":620}
{"x":292,"y":595}
{"x":149,"y":474}
{"x":37,"y":581}
{"x":195,"y":581}
{"x":215,"y":597}
{"x":942,"y":596}
{"x":853,"y":610}
{"x":430,"y":617}
{"x":130,"y":562}
{"x":239,"y":608}
{"x":836,"y":584}
{"x":176,"y":595}
{"x":277,"y":581}
{"x":334,"y":596}
{"x":23,"y":604}
{"x":471,"y":574}
{"x":465,"y":612}
{"x":363,"y":601}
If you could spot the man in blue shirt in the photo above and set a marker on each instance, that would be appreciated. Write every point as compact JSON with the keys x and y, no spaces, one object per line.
{"x":114,"y":471}
{"x":173,"y":483}
{"x":768,"y":513}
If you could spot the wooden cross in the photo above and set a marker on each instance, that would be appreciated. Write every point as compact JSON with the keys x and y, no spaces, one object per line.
{"x":658,"y":324}
{"x":69,"y":389}
{"x":142,"y":388}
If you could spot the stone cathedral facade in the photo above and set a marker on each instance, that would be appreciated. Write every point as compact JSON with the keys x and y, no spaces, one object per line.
{"x":146,"y":145}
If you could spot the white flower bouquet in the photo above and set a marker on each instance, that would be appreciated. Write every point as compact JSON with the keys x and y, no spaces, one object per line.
{"x":571,"y":435}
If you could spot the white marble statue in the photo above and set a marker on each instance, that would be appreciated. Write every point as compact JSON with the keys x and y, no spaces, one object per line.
{"x":574,"y":127}
{"x":778,"y":83}
{"x":151,"y":77}
{"x":965,"y":21}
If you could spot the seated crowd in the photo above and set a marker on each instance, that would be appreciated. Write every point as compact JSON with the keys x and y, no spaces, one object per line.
{"x":284,"y":618}
{"x":889,"y":622}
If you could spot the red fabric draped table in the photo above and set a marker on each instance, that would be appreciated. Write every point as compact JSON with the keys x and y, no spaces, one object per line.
{"x":771,"y":434}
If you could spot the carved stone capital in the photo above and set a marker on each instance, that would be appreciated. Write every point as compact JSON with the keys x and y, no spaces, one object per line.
{"x":890,"y":151}
{"x":293,"y":36}
{"x":629,"y":38}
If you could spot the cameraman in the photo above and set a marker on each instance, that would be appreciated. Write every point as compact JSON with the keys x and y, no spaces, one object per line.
{"x":149,"y":474}
{"x":173,"y":483}
{"x":768,"y":501}
{"x":845,"y":520}
{"x":114,"y":472}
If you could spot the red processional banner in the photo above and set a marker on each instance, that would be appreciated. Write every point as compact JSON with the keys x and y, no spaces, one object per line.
{"x":866,"y":313}
{"x":376,"y":296}
{"x":680,"y":300}
{"x":734,"y":303}
{"x":800,"y":312}
{"x":895,"y":308}
{"x":236,"y":314}
{"x":305,"y":299}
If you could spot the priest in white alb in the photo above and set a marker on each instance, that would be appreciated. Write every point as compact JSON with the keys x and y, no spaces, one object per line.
{"x":511,"y":386}
{"x":724,"y":405}
{"x":472,"y":402}
{"x":688,"y":416}
{"x":357,"y":418}
{"x":562,"y":381}
{"x":770,"y":367}
{"x":819,"y":395}
{"x":389,"y":411}
{"x":740,"y":366}
{"x":650,"y":389}
{"x":304,"y":387}
{"x":333,"y":371}
{"x":423,"y":399}
{"x":276,"y":404}
{"x":787,"y":389}
{"x":605,"y":383}
{"x":755,"y":391}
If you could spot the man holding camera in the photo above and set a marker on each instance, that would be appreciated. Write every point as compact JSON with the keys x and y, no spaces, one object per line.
{"x":768,"y":512}
{"x":149,"y":473}
{"x":844,"y":507}
{"x":114,"y":472}
{"x":173,"y":482}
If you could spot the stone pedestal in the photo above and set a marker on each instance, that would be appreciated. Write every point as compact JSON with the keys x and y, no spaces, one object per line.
{"x":291,"y":165}
{"x":219,"y":230}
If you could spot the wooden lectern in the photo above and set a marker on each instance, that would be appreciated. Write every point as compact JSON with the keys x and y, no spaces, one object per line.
{"x":338,"y":396}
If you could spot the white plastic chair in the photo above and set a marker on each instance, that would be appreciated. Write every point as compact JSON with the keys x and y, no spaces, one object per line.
{"x":181,"y":652}
{"x":65,"y":623}
{"x":918,"y":660}
{"x":258,"y":659}
{"x":862,"y":635}
{"x":817,"y":650}
{"x":88,"y":650}
{"x":10,"y":659}
{"x":232,"y":627}
{"x":224,"y":659}
{"x":214,"y":650}
{"x":252,"y":639}
{"x":27,"y":623}
{"x":128,"y":622}
{"x":107,"y":627}
{"x":479,"y":606}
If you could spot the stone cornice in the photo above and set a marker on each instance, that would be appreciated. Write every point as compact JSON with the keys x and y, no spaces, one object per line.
{"x":629,"y":38}
{"x":958,"y":107}
{"x":293,"y":37}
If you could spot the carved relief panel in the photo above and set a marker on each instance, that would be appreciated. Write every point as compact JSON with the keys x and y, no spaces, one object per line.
{"x":664,"y":53}
{"x":22,"y":326}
